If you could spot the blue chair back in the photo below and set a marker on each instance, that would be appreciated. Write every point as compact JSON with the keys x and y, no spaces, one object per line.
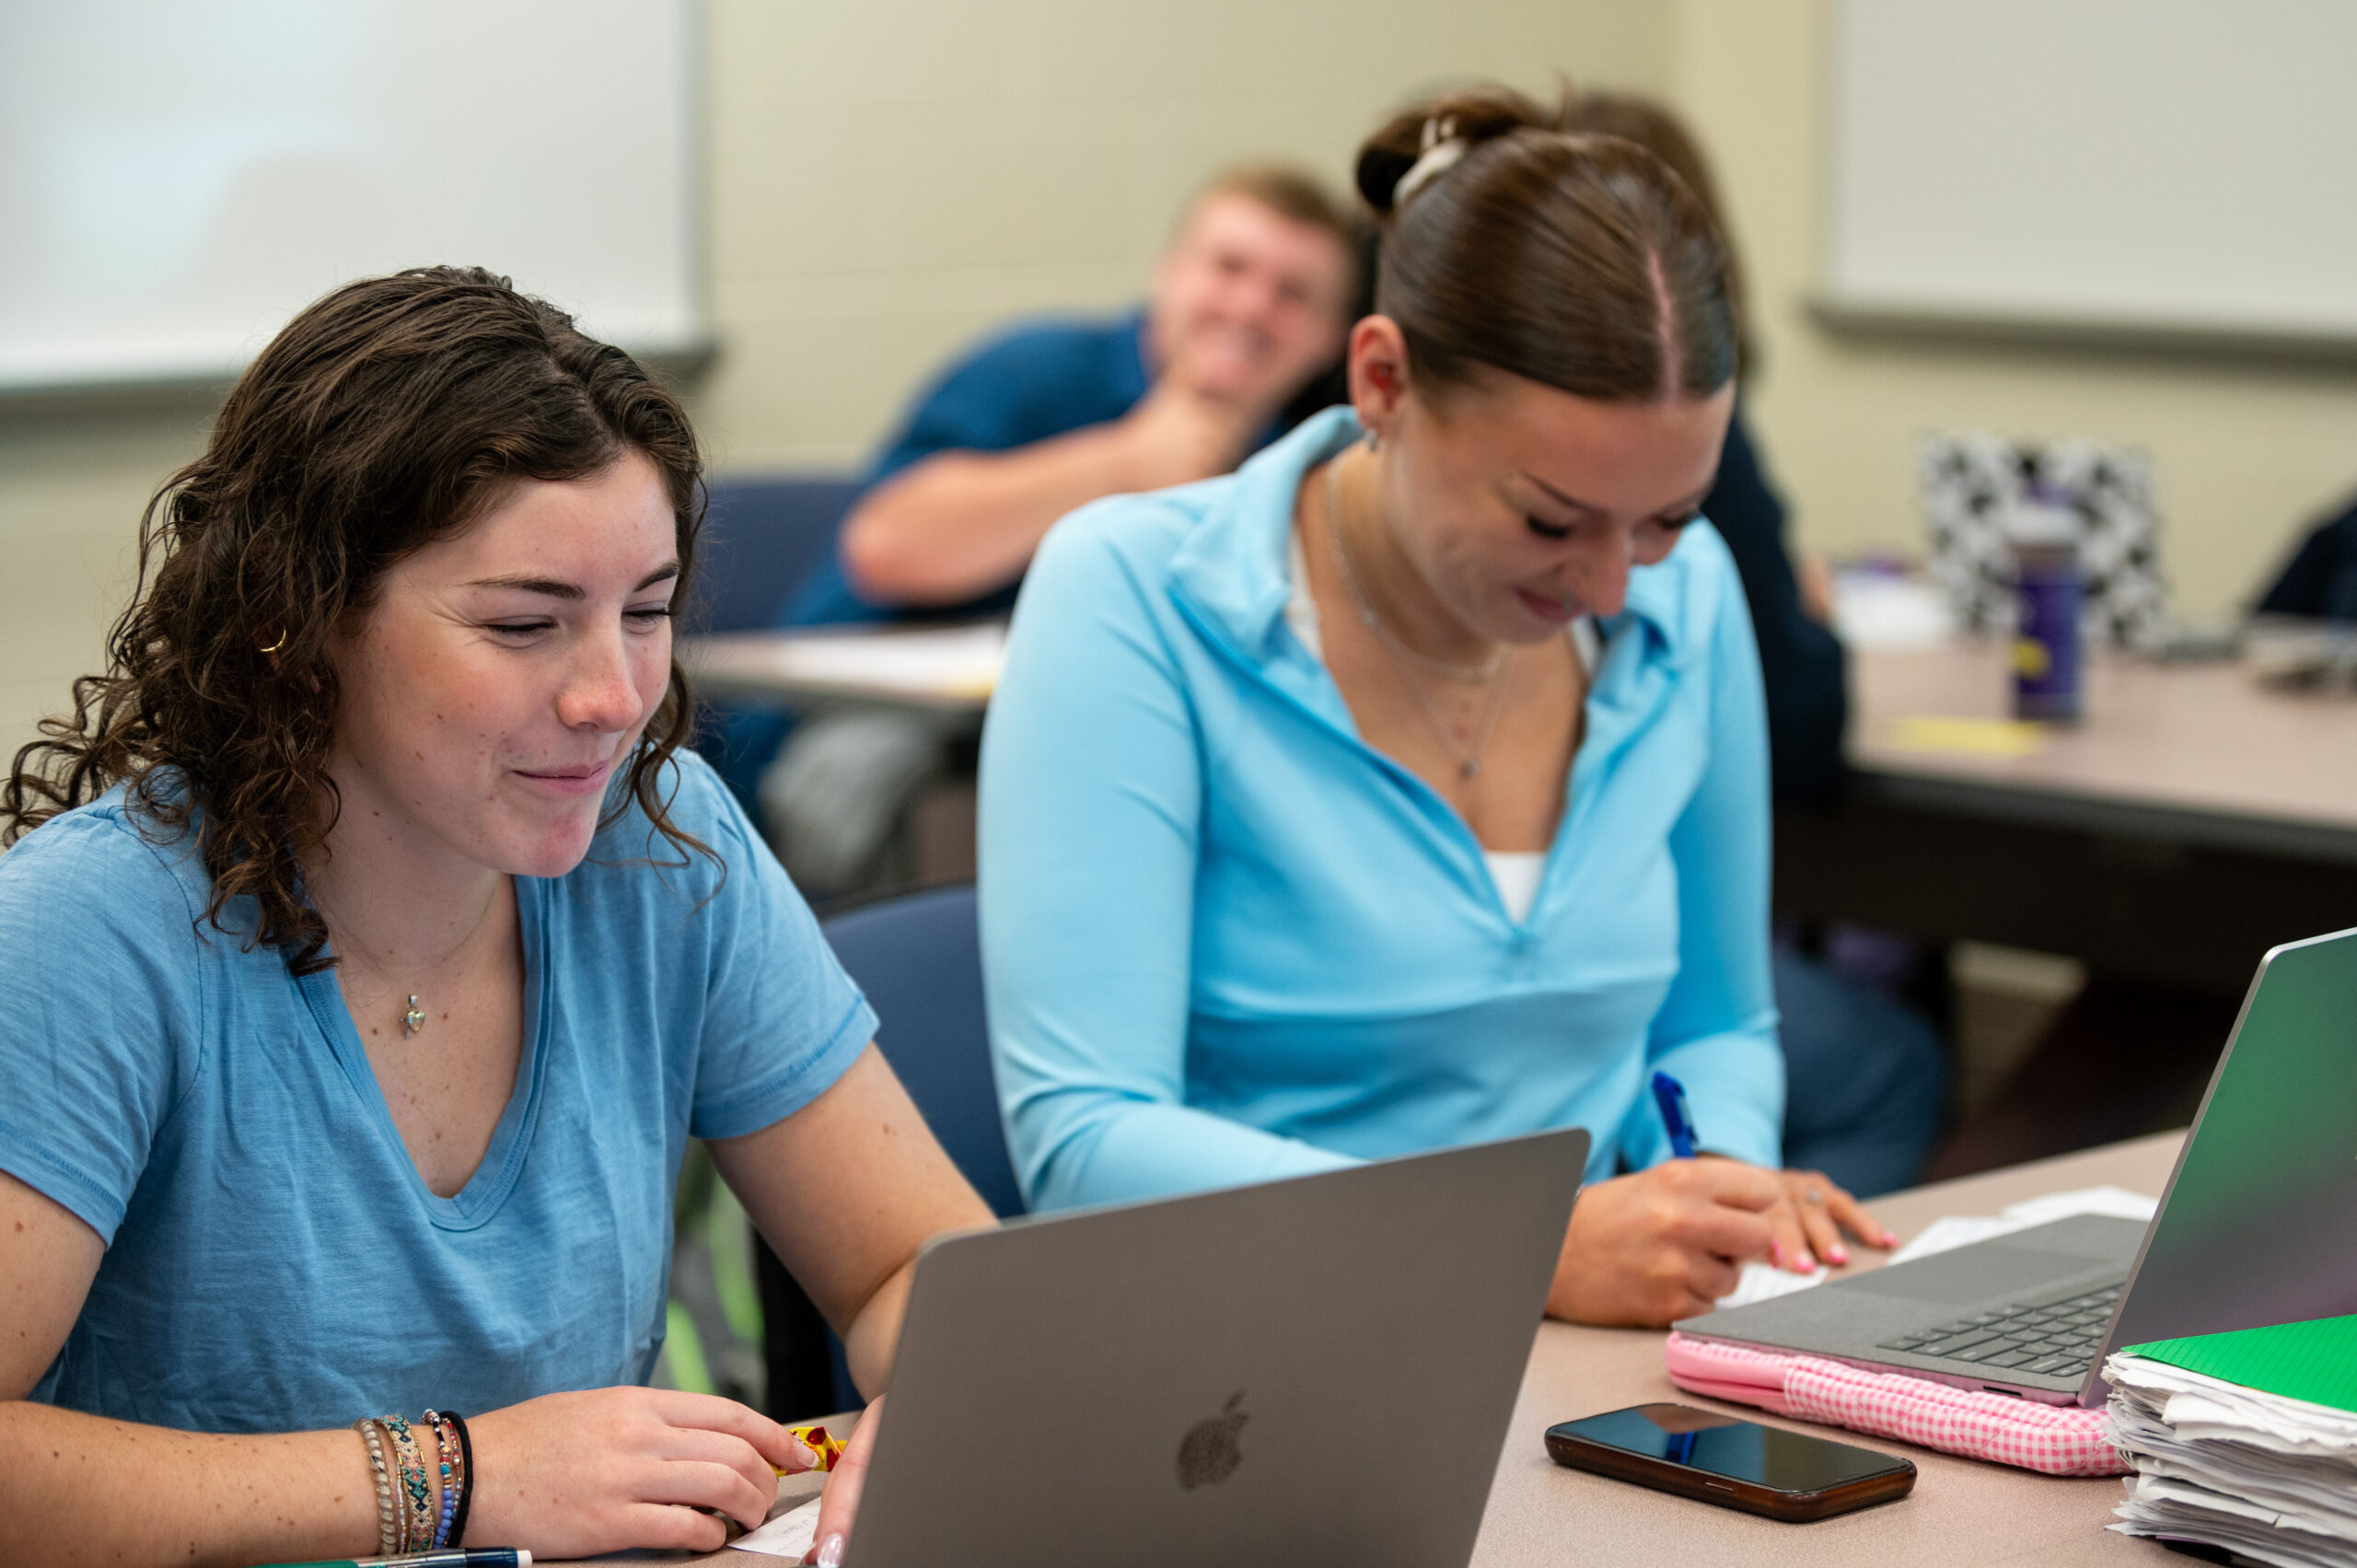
{"x":761,"y":538}
{"x":919,"y":959}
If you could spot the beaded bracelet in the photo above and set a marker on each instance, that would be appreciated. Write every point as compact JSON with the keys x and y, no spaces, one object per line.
{"x":417,"y":1518}
{"x":446,"y":1448}
{"x":466,"y":1477}
{"x":387,"y":1534}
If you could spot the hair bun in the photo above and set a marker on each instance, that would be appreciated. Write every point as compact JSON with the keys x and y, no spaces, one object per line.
{"x":1469,"y":117}
{"x":1378,"y":175}
{"x":1514,"y":241}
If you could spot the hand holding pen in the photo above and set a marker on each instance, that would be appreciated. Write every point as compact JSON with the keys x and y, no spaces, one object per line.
{"x":1814,"y":1209}
{"x":1665,"y":1243}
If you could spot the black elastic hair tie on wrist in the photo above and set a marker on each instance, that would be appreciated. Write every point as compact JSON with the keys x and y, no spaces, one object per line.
{"x":466,"y":1480}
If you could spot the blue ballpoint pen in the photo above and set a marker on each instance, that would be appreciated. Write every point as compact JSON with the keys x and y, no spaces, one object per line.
{"x":1670,"y":1095}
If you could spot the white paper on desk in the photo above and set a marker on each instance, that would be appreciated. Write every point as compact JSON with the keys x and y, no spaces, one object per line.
{"x":1765,"y":1282}
{"x":788,"y":1536}
{"x":931,"y":661}
{"x":1958,"y":1230}
{"x":1878,"y":611}
{"x":2116,"y":1201}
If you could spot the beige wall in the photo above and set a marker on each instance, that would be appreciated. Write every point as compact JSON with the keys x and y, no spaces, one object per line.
{"x":889,"y":179}
{"x":885,"y":181}
{"x":71,"y":487}
{"x":2242,"y":454}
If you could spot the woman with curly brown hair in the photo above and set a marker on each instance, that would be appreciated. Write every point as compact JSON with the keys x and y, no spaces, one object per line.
{"x":370,"y":948}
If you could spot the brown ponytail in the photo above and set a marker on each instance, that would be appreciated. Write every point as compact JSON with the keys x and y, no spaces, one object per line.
{"x":1572,"y":258}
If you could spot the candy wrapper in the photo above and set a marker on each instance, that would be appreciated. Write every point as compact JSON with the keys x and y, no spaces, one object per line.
{"x":820,"y":1442}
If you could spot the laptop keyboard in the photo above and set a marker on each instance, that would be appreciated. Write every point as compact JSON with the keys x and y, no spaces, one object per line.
{"x":2048,"y":1339}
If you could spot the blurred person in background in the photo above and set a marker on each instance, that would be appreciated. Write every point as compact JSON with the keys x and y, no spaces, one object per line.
{"x":1245,"y":311}
{"x":1868,"y":1070}
{"x":1247,"y":306}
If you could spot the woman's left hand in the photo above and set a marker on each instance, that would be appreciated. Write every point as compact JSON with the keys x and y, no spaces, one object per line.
{"x":1810,"y":1219}
{"x":841,"y":1499}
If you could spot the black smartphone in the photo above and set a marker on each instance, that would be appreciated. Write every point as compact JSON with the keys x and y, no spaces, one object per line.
{"x":1735,"y":1464}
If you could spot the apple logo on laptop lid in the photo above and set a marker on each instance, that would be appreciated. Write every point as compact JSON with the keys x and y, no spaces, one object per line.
{"x":1208,"y":1454}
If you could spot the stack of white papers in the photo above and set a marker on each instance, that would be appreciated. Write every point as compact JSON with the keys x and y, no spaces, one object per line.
{"x":2269,"y":1477}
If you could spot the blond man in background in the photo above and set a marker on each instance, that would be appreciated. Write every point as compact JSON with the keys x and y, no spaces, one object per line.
{"x":1241,"y":328}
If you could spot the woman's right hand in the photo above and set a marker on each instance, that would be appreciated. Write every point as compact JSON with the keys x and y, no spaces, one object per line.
{"x":1650,"y":1248}
{"x":576,"y":1475}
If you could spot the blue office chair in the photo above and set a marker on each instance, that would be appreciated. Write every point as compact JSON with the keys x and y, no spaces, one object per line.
{"x":918,"y":957}
{"x":761,"y":538}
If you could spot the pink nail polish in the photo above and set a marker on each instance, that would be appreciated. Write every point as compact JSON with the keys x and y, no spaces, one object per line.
{"x":1807,"y":1265}
{"x":1890,"y":1238}
{"x":830,"y":1551}
{"x":1776,"y":1254}
{"x":1840,"y":1256}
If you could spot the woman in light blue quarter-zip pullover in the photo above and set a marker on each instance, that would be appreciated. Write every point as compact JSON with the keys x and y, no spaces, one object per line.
{"x":1408,"y":787}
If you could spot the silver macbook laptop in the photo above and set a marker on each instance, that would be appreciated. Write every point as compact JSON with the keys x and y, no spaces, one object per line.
{"x":1317,"y":1370}
{"x":2257,"y":1225}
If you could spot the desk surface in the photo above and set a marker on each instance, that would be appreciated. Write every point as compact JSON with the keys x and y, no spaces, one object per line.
{"x":2202,"y":741}
{"x":1962,"y":1511}
{"x":2189,"y":740}
{"x":952,"y":667}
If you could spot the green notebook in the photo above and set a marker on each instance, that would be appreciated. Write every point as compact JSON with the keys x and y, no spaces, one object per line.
{"x":2316,"y":1362}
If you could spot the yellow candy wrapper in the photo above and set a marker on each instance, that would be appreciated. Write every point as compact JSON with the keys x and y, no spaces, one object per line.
{"x":817,"y":1440}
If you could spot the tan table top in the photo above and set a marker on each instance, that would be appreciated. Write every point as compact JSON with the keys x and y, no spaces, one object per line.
{"x":950,"y":667}
{"x":1962,"y":1511}
{"x":2190,"y":738}
{"x":2199,"y":737}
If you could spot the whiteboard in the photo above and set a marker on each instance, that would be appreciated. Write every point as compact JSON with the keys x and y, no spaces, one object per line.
{"x":2177,"y":164}
{"x":178,"y":179}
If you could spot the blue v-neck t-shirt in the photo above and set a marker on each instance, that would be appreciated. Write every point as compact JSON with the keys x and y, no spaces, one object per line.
{"x":275,"y":1262}
{"x":1226,"y":940}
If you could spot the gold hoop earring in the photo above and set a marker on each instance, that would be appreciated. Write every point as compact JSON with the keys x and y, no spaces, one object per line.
{"x":276,"y":646}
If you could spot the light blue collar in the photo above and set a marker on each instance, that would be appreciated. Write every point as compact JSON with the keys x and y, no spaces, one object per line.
{"x":1234,"y":570}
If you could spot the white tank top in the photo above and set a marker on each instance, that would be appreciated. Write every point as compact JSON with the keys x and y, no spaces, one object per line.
{"x":1517,"y":873}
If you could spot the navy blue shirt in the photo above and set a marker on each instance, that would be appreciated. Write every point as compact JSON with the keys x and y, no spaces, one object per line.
{"x":1037,"y":379}
{"x":1801,"y":663}
{"x":1032,"y":382}
{"x":2321,"y":579}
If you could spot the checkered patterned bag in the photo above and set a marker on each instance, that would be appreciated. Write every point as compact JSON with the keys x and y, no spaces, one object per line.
{"x":2051,"y":1439}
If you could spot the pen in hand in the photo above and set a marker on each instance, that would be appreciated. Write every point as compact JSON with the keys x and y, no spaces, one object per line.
{"x":1670,"y":1096}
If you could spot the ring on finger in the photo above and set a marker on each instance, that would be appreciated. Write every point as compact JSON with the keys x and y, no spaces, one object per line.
{"x":1813,"y":1196}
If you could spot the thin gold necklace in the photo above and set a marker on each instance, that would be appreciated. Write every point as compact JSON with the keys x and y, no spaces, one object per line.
{"x":1469,"y":763}
{"x":1465,"y":674}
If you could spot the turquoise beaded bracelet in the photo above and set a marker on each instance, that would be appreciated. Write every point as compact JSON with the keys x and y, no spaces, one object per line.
{"x":446,"y":1448}
{"x":417,"y":1518}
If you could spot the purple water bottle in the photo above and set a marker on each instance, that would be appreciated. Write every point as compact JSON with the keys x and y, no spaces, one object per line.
{"x":2045,"y":532}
